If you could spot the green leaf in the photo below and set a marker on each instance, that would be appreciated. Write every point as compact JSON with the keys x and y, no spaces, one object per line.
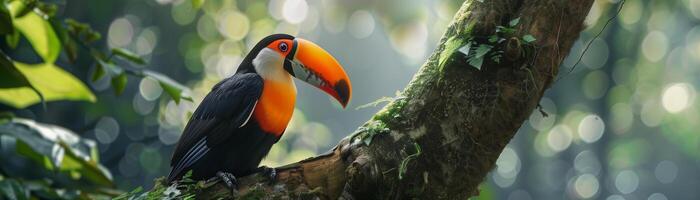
{"x":174,"y":89}
{"x":505,"y":30}
{"x":67,"y":42}
{"x":514,"y":22}
{"x":126,"y":54}
{"x":529,"y":38}
{"x":111,"y":68}
{"x":476,"y":62}
{"x":51,"y":81}
{"x":21,"y":8}
{"x":25,"y":149}
{"x":5,"y":20}
{"x":451,"y":46}
{"x":482,"y":50}
{"x":11,"y":77}
{"x":129,"y":195}
{"x":466,"y":49}
{"x":478,"y":59}
{"x":493,"y":38}
{"x":68,"y":155}
{"x":40,"y":34}
{"x":12,"y":39}
{"x":99,"y":72}
{"x":119,"y":83}
{"x":13,"y":190}
{"x":81,"y":162}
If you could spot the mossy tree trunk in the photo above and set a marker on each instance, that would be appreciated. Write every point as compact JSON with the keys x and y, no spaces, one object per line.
{"x":442,"y":136}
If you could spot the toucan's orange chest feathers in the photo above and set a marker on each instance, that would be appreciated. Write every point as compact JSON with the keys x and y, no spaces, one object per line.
{"x":275,"y":106}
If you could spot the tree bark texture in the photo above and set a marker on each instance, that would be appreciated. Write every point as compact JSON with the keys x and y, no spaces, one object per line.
{"x":443,"y":134}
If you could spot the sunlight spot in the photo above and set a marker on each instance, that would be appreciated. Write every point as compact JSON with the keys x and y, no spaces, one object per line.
{"x":150,"y":89}
{"x":147,"y":41}
{"x":677,"y":97}
{"x":141,"y":105}
{"x":106,"y":130}
{"x":410,"y":40}
{"x":655,"y":46}
{"x":361,"y":24}
{"x":508,"y":163}
{"x":120,"y":33}
{"x":627,"y":181}
{"x":294,"y":11}
{"x":559,"y":138}
{"x":234,"y":25}
{"x":586,"y":186}
{"x":631,"y":12}
{"x":591,"y":128}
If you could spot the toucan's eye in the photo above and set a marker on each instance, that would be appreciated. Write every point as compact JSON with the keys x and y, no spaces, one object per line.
{"x":283,"y":47}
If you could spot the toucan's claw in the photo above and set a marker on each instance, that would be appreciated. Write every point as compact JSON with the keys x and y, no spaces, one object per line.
{"x":228,"y":179}
{"x":269,"y":173}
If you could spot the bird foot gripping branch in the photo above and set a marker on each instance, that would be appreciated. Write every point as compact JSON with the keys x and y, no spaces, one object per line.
{"x":244,"y":115}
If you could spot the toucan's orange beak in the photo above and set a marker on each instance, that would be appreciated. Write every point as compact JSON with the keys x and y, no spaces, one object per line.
{"x":310,"y":63}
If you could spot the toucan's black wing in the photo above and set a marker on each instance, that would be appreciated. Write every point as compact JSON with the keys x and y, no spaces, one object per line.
{"x":225,"y":109}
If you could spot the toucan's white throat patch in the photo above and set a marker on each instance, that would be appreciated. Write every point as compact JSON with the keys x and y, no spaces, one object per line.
{"x":269,"y":64}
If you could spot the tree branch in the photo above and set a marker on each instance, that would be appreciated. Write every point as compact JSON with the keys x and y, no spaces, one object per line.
{"x":440,"y":138}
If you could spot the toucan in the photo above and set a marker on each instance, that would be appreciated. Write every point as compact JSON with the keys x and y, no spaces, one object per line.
{"x":239,"y":120}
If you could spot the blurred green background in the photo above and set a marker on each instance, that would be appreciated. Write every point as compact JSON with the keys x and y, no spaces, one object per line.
{"x":623,"y":124}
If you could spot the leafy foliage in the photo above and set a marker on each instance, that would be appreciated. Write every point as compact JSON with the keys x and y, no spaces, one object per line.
{"x":476,"y":50}
{"x":64,"y":165}
{"x":174,"y":89}
{"x":60,"y":160}
{"x":126,"y":54}
{"x":38,"y":31}
{"x":11,"y":77}
{"x":183,"y":189}
{"x":23,"y":84}
{"x":51,"y":81}
{"x":5,"y":20}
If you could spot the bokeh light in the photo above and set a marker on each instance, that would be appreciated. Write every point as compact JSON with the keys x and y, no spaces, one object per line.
{"x":626,"y":181}
{"x":559,"y":138}
{"x":677,"y":97}
{"x":655,"y":46}
{"x":361,"y":24}
{"x":294,"y":11}
{"x":591,"y":128}
{"x":586,"y":186}
{"x":120,"y":33}
{"x":666,"y":171}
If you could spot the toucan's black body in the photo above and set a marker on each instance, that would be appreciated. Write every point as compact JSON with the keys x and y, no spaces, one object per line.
{"x":214,"y":139}
{"x":227,"y":146}
{"x":240,"y":119}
